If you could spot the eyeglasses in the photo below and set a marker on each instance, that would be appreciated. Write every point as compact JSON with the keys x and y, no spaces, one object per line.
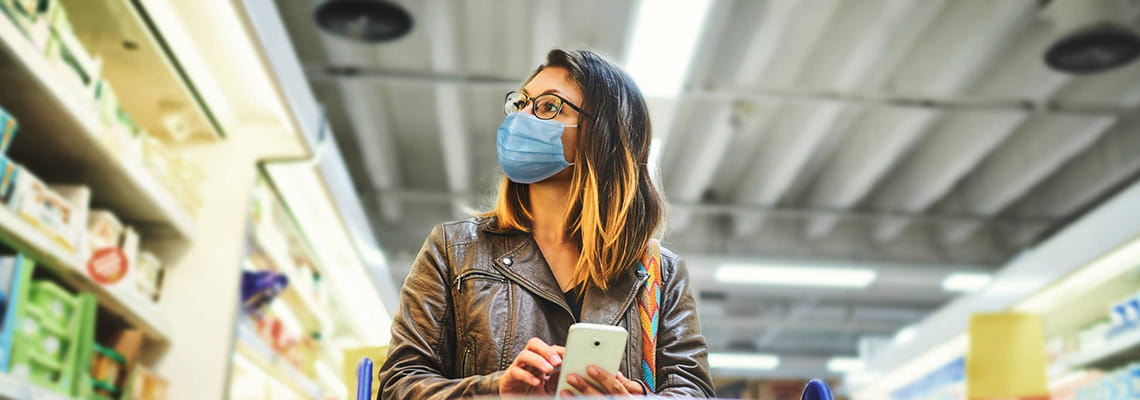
{"x":545,"y":106}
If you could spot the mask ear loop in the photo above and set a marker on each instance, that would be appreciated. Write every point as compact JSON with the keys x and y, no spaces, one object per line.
{"x":569,"y":126}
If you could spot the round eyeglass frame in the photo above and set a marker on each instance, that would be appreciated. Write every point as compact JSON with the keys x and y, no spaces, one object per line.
{"x":533,"y":101}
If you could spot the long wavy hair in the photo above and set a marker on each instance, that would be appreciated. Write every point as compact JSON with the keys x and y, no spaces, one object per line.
{"x":614,"y":209}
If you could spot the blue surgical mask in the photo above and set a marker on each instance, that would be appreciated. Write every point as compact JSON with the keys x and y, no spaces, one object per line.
{"x":530,"y":149}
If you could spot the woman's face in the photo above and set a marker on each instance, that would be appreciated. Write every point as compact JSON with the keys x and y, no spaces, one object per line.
{"x":557,"y":80}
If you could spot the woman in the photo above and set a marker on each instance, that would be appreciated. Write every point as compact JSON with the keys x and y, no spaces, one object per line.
{"x":489,"y":300}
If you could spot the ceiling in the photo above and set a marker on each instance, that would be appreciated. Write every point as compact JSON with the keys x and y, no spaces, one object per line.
{"x":915,"y":137}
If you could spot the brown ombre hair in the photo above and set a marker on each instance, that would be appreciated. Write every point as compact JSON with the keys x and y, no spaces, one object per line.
{"x":613,"y":209}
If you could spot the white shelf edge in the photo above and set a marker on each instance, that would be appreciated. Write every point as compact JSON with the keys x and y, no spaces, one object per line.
{"x":33,"y":60}
{"x":44,"y":250}
{"x":1111,"y":348}
{"x":260,"y":353}
{"x":18,"y":389}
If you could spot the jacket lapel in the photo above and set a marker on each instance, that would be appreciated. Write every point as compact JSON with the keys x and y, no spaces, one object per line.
{"x":522,"y":262}
{"x":607,"y":307}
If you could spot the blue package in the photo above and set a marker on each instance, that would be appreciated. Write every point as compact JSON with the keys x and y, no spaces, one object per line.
{"x":8,"y":128}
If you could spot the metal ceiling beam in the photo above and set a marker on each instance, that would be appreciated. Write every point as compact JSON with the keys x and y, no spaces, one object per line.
{"x":794,"y":315}
{"x":933,"y":218}
{"x":876,"y":147}
{"x":1038,"y":149}
{"x":964,"y":139}
{"x":1110,"y":162}
{"x":367,"y":113}
{"x":690,"y":175}
{"x":788,"y":151}
{"x":449,"y":108}
{"x":952,"y":151}
{"x":804,"y":324}
{"x":883,"y":137}
{"x":798,"y":132}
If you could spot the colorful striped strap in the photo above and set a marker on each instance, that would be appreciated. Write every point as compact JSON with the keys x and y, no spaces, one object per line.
{"x":648,"y":308}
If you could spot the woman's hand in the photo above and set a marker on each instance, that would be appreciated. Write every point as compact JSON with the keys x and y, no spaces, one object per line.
{"x":607,"y":384}
{"x":532,"y":372}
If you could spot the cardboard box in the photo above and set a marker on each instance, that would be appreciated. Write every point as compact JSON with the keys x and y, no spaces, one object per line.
{"x":103,"y":229}
{"x":61,"y":218}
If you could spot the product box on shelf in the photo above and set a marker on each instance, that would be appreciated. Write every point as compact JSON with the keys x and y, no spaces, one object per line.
{"x":148,"y":274}
{"x":9,"y":172}
{"x":26,"y":13}
{"x":103,"y":229}
{"x":8,"y":128}
{"x":1121,"y":384}
{"x":74,"y":63}
{"x":79,"y":197}
{"x":19,"y":272}
{"x":61,"y":218}
{"x":121,"y":133}
{"x":114,"y":266}
{"x":146,"y":385}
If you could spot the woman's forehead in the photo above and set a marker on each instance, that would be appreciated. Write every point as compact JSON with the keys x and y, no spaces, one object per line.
{"x":554,"y":80}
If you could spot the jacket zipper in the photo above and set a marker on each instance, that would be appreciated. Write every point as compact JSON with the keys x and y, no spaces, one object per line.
{"x":467,"y":370}
{"x":477,"y":275}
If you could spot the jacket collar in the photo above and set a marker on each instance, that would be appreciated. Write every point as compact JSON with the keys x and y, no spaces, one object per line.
{"x":519,"y":258}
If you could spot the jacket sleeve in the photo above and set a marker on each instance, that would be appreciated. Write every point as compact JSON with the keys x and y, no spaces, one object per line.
{"x":682,"y":354}
{"x":421,"y":353}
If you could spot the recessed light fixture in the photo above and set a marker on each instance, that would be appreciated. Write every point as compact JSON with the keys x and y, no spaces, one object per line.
{"x":845,"y":365}
{"x":966,"y":282}
{"x":744,"y":361}
{"x":778,"y":275}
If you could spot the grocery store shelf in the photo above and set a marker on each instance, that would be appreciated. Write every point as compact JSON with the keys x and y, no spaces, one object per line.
{"x":60,"y":139}
{"x":12,"y":388}
{"x":31,"y":242}
{"x":1115,"y":352}
{"x":253,"y":349}
{"x":302,"y":304}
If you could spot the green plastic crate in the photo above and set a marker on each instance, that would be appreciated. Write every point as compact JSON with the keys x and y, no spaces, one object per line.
{"x":58,"y":304}
{"x":48,"y":350}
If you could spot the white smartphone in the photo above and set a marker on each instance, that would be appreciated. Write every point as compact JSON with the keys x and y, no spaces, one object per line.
{"x":591,"y":344}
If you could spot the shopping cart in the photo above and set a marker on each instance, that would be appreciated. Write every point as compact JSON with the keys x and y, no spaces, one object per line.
{"x":364,"y":379}
{"x":817,"y":390}
{"x":814,"y":390}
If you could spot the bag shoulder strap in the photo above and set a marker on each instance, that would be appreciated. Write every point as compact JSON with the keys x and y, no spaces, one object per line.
{"x":648,"y":308}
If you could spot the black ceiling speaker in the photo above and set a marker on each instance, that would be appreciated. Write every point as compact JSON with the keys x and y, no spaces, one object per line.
{"x":1094,"y":50}
{"x":1092,"y":35}
{"x":369,"y":21}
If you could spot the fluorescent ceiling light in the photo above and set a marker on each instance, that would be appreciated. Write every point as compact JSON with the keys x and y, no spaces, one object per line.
{"x":853,"y":278}
{"x":905,"y":335}
{"x":844,"y":365}
{"x":743,"y":361}
{"x":966,"y":282}
{"x":664,"y":38}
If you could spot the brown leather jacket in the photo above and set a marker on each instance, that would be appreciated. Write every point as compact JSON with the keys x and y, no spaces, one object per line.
{"x":475,"y":296}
